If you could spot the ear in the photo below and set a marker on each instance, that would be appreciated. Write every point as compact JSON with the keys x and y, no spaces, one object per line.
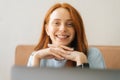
{"x":46,"y":29}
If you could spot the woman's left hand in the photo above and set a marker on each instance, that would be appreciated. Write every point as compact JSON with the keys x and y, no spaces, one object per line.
{"x":69,"y":53}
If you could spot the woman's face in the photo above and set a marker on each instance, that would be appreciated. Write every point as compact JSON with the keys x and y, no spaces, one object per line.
{"x":60,"y":27}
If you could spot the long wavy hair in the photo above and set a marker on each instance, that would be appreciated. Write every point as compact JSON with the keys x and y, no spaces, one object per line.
{"x":79,"y":43}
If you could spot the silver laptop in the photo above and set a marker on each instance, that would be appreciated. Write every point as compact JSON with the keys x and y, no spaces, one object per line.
{"x":25,"y":73}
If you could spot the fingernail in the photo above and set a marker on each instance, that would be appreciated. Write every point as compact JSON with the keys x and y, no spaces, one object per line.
{"x":62,"y":58}
{"x":49,"y":44}
{"x":72,"y":48}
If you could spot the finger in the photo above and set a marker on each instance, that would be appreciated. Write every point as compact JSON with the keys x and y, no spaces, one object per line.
{"x":61,"y":46}
{"x":53,"y":52}
{"x":66,"y":48}
{"x":51,"y":45}
{"x":66,"y":55}
{"x":57,"y":56}
{"x":49,"y":57}
{"x":59,"y":51}
{"x":56,"y":48}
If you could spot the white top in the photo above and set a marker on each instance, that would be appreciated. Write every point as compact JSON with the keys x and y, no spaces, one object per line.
{"x":95,"y":60}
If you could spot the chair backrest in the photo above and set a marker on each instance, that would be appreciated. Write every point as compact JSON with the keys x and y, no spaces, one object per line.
{"x":111,"y":55}
{"x":22,"y":54}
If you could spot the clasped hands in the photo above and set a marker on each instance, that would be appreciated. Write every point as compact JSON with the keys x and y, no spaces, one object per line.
{"x":60,"y":53}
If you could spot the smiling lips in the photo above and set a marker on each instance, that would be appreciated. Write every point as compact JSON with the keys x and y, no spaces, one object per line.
{"x":62,"y":37}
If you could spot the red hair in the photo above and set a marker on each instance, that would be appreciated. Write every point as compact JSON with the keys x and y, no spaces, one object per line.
{"x":79,"y":43}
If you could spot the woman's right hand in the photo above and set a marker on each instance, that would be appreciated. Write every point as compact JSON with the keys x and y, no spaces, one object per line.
{"x":47,"y":54}
{"x":43,"y":54}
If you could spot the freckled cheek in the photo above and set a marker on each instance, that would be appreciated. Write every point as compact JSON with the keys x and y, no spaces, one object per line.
{"x":51,"y":29}
{"x":53,"y":32}
{"x":73,"y":34}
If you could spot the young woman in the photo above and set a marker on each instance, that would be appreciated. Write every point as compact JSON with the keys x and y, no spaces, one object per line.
{"x":63,"y":41}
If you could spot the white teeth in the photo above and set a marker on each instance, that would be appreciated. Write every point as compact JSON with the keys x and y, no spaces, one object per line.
{"x":62,"y":36}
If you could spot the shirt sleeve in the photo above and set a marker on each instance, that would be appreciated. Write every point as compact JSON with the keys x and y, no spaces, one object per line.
{"x":31,"y":59}
{"x":96,"y":59}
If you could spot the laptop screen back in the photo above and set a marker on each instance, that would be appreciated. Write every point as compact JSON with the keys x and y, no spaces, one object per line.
{"x":25,"y":73}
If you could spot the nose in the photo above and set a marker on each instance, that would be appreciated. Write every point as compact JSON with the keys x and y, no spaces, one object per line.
{"x":62,"y":28}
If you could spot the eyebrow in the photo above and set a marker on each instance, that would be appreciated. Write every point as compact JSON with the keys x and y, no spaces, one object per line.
{"x":60,"y":19}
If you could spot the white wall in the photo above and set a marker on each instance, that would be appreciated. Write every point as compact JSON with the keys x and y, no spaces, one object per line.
{"x":20,"y":22}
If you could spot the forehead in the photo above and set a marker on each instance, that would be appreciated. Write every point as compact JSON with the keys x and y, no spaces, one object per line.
{"x":60,"y":13}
